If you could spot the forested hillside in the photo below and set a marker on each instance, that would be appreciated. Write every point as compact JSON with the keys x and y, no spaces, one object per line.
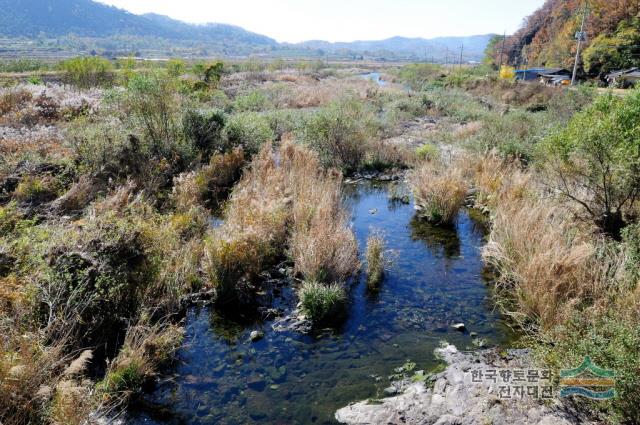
{"x":547,"y":38}
{"x":86,"y":18}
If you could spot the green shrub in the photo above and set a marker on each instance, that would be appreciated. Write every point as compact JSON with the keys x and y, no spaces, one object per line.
{"x":255,"y":101}
{"x":323,"y":304}
{"x":249,"y":131}
{"x":87,"y":72}
{"x":124,"y":379}
{"x":428,"y":152}
{"x":23,"y":65}
{"x":153,"y":107}
{"x":284,"y":121}
{"x":11,"y":220}
{"x":176,"y":67}
{"x":456,"y":104}
{"x":418,"y":75}
{"x":204,"y":130}
{"x":514,"y":135}
{"x":340,"y":133}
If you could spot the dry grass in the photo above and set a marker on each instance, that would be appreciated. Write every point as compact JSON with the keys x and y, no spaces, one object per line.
{"x":322,"y":245}
{"x":543,"y":263}
{"x":547,"y":263}
{"x":283,"y":200}
{"x":28,"y":370}
{"x":145,"y":349}
{"x":254,"y":229}
{"x":375,"y":260}
{"x":439,"y":191}
{"x":211,"y":184}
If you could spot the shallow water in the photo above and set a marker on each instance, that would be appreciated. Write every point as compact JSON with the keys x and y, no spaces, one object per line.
{"x":375,"y":77}
{"x":289,"y":378}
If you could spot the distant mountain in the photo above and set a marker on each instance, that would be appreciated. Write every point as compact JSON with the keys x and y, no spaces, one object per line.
{"x":86,"y":18}
{"x":472,"y":47}
{"x":60,"y":27}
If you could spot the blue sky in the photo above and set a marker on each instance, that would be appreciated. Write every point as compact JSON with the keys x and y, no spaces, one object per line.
{"x":347,"y":20}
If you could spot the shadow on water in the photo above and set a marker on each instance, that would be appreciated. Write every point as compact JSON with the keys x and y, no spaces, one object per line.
{"x":290,"y":378}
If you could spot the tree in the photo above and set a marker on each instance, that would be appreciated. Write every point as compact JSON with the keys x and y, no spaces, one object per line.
{"x":610,"y":52}
{"x":595,"y":160}
{"x":492,"y":52}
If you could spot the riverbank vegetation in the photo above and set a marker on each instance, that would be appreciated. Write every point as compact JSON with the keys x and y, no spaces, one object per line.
{"x":127,"y":191}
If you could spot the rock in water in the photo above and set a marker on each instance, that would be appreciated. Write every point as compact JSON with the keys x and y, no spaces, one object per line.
{"x":459,"y":327}
{"x":256,"y":336}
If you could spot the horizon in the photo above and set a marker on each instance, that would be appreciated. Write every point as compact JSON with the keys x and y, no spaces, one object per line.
{"x":377,"y":19}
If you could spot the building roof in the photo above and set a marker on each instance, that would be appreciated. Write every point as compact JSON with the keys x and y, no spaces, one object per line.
{"x":634,"y":72}
{"x":544,"y":71}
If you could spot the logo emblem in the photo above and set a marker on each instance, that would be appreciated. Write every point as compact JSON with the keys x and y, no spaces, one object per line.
{"x":588,"y":380}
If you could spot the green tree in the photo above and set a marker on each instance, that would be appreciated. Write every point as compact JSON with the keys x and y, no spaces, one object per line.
{"x":595,"y":160}
{"x":492,"y":52}
{"x":617,"y":51}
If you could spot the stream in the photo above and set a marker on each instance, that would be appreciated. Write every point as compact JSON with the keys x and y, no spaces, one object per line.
{"x":287,"y":377}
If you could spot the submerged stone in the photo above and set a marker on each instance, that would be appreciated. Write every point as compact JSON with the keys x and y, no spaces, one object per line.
{"x":460,"y":327}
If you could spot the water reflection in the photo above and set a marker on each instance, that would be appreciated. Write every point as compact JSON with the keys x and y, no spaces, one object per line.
{"x":441,"y":241}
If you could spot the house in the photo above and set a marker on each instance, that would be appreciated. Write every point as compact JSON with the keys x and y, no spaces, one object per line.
{"x":556,"y":77}
{"x":546,"y":75}
{"x":623,"y":78}
{"x":528,"y":74}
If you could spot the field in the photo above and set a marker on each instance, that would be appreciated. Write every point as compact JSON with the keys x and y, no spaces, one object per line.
{"x":112,"y":175}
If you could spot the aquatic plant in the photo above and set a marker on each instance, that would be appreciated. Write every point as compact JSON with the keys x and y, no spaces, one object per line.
{"x":323,"y":304}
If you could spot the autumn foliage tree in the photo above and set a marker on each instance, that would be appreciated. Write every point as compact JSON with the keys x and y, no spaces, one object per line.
{"x":547,"y":37}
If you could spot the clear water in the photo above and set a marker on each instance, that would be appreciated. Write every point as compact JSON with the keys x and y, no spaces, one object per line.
{"x":290,"y":378}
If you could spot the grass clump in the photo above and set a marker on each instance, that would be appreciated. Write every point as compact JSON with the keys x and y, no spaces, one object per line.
{"x":323,"y":303}
{"x":439,"y":192}
{"x":427,"y":153}
{"x":145,"y":349}
{"x":375,"y":260}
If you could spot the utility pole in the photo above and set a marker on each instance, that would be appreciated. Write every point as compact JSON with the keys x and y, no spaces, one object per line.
{"x":446,"y":57}
{"x":504,"y":39}
{"x":580,"y":36}
{"x":461,"y":50}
